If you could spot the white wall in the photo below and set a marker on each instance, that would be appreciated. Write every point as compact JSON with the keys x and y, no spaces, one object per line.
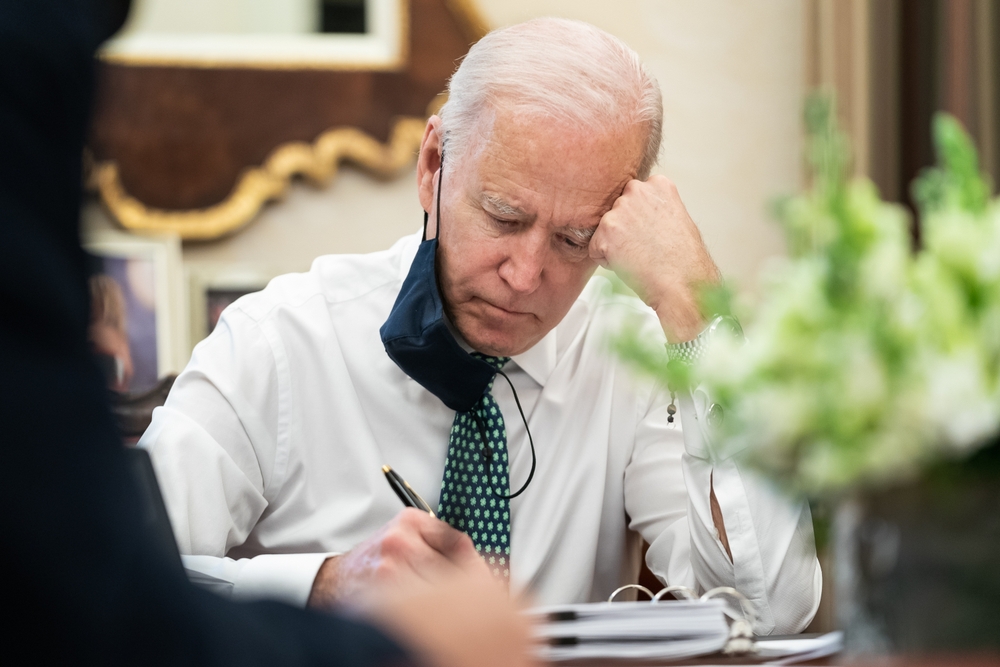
{"x":355,"y":213}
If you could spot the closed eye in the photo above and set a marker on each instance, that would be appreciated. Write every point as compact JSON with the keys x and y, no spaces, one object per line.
{"x":503,"y":224}
{"x":579,"y":238}
{"x":574,"y":246}
{"x":572,"y":243}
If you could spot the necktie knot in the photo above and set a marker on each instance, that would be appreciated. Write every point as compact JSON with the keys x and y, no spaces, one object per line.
{"x":496,"y":362}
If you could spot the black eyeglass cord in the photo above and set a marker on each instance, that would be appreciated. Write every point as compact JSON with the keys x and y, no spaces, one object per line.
{"x":489,"y":451}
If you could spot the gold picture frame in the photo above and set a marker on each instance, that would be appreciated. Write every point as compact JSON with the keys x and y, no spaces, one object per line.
{"x":383,"y":47}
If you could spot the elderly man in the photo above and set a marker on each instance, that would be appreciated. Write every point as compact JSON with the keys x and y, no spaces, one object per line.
{"x":271,"y":444}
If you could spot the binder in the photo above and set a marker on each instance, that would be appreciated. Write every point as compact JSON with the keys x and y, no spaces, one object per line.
{"x":666,"y":629}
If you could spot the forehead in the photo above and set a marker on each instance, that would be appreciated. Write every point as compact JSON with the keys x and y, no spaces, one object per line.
{"x":550,"y":169}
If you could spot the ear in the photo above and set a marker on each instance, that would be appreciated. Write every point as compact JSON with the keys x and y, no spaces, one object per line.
{"x":428,"y":162}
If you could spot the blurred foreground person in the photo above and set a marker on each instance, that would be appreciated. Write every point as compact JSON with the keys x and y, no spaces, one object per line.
{"x":83,"y":581}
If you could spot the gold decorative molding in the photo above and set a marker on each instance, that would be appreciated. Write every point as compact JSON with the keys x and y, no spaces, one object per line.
{"x":318,"y":162}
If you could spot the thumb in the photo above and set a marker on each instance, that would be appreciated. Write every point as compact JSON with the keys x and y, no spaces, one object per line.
{"x":453,"y":544}
{"x":597,"y":250}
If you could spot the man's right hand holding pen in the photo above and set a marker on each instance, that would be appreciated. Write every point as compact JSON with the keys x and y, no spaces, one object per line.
{"x":425,"y":580}
{"x":413,"y":545}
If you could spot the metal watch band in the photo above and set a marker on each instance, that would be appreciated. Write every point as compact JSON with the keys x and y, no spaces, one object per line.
{"x":691,"y":351}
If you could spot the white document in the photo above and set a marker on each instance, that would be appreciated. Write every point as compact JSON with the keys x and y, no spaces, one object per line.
{"x":641,"y":630}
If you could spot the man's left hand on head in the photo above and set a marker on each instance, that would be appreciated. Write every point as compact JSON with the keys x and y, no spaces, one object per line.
{"x":650,"y":240}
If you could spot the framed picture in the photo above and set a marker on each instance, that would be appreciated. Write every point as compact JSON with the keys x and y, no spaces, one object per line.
{"x":138,"y":322}
{"x":213,"y":288}
{"x":327,"y":34}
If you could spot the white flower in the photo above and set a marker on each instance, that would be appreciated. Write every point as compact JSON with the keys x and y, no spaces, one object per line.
{"x":960,"y":405}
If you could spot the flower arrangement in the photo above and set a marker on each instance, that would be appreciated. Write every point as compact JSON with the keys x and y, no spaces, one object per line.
{"x":865,"y":358}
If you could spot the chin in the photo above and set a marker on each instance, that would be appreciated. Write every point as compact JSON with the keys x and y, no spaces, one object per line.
{"x":499,"y":343}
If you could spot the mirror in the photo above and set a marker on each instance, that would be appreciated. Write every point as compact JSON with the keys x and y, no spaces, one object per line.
{"x":270,"y":34}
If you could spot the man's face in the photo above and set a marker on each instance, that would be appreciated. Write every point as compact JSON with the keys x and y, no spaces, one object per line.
{"x":517,"y":212}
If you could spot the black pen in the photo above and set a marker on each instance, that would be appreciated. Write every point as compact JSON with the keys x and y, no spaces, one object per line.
{"x":405,"y":492}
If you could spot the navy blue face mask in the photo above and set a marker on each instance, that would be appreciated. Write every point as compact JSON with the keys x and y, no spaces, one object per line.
{"x":417,"y":338}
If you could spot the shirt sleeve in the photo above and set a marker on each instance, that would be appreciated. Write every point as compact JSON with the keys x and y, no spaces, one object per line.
{"x":667,"y":490}
{"x":213,"y":446}
{"x":286,"y":578}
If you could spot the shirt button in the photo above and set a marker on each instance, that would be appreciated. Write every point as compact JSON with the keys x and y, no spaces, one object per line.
{"x":715,"y":415}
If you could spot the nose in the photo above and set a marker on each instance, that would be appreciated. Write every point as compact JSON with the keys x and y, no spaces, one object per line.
{"x":525,"y":262}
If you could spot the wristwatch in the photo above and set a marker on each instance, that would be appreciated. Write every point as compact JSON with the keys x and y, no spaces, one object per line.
{"x":690,"y":351}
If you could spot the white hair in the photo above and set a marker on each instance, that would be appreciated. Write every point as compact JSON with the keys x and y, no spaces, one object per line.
{"x":557,"y":68}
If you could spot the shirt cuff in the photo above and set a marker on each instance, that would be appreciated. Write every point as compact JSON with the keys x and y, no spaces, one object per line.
{"x":691,"y":406}
{"x":283,"y":577}
{"x":701,"y":419}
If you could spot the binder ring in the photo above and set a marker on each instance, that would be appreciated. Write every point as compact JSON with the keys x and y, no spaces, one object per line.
{"x":683,"y":590}
{"x":639,"y":587}
{"x":745,"y":606}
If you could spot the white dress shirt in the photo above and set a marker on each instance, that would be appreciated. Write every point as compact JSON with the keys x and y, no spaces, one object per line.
{"x":270,"y":448}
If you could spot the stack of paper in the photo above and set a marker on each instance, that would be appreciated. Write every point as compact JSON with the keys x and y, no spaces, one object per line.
{"x":799,"y":648}
{"x":666,"y":631}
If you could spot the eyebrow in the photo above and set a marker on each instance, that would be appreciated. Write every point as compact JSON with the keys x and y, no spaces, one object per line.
{"x":502,"y":207}
{"x":582,"y":235}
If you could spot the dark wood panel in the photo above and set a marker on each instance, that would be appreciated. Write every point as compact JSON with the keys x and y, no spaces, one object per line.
{"x":182,"y":136}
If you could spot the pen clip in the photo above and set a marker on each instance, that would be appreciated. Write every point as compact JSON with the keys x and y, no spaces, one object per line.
{"x":421,"y":501}
{"x":406,"y":494}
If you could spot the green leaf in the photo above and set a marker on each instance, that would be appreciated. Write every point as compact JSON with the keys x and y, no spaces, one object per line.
{"x":956,"y":181}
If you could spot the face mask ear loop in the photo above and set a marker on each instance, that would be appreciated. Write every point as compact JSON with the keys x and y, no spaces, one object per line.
{"x":437,"y":212}
{"x":489,"y":454}
{"x":440,"y":175}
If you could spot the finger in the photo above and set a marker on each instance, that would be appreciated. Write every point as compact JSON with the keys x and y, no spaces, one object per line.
{"x":435,"y":532}
{"x":465,"y":556}
{"x":437,"y":540}
{"x":453,"y":544}
{"x":597,"y":255}
{"x":598,"y":244}
{"x":446,"y":539}
{"x":407,"y":553}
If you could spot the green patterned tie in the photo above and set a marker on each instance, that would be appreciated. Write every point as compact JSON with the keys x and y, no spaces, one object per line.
{"x":476,"y":482}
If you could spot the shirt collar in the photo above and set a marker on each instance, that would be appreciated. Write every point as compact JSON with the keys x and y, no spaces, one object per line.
{"x":539,"y":360}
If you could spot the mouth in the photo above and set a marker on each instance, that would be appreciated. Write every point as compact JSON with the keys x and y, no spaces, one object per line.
{"x":503,"y":311}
